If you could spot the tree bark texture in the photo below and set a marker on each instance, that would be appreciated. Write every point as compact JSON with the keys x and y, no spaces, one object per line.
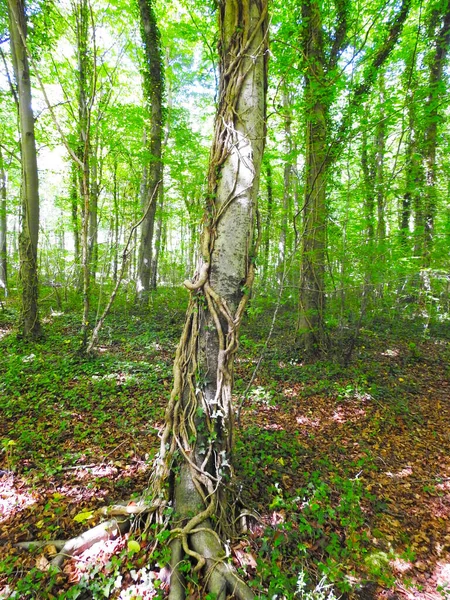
{"x":436,"y":87}
{"x":312,"y":274}
{"x":29,"y":235}
{"x":3,"y":229}
{"x":75,"y":219}
{"x":412,"y":163}
{"x":320,"y":69}
{"x":93,"y":210}
{"x":380,"y":140}
{"x":196,"y":446}
{"x":83,"y":151}
{"x":153,"y":75}
{"x":267,"y":224}
{"x":287,"y":188}
{"x":368,"y":171}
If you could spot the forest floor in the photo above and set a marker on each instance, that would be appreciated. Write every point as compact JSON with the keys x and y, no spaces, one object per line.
{"x":346,"y":468}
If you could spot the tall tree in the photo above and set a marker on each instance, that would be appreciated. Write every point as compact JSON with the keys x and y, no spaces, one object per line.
{"x":153,"y":78}
{"x":197,"y":442}
{"x":85,"y":99}
{"x":440,"y":33}
{"x":29,"y":235}
{"x":318,"y":100}
{"x":321,"y":53}
{"x":287,"y":185}
{"x":413,"y":165}
{"x":3,"y":228}
{"x":380,"y":141}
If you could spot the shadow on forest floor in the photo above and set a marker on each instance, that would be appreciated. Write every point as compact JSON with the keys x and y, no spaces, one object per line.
{"x":348,"y":469}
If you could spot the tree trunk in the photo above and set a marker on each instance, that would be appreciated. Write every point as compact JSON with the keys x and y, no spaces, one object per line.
{"x":28,"y":243}
{"x":287,"y":187}
{"x":380,"y":142}
{"x":3,"y":229}
{"x":93,"y":212}
{"x":85,"y":100}
{"x":320,"y":73}
{"x":267,"y":224}
{"x":412,"y":179}
{"x":411,"y":196}
{"x":115,"y":223}
{"x":159,"y":228}
{"x":153,"y":92}
{"x":367,"y":165}
{"x":436,"y":86}
{"x":74,"y":202}
{"x":312,"y":274}
{"x":197,"y":443}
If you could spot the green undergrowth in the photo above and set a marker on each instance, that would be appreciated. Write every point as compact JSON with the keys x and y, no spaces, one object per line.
{"x":315,"y":507}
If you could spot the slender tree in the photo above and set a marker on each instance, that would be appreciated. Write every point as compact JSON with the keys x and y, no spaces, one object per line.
{"x":413,"y":166}
{"x":380,"y":141}
{"x":29,"y":235}
{"x":85,"y":93}
{"x":153,"y":78}
{"x":268,"y":221}
{"x":440,"y":27}
{"x":3,"y":228}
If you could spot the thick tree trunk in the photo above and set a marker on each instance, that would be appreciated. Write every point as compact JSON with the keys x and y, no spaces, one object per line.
{"x":196,"y":446}
{"x":312,"y":275}
{"x":28,"y":243}
{"x":3,"y":229}
{"x":153,"y":92}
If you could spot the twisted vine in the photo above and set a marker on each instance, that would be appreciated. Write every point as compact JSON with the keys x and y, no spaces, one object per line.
{"x":198,"y":433}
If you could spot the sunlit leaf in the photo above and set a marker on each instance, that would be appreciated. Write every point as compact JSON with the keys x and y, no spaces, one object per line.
{"x":83,"y":516}
{"x":133,"y":546}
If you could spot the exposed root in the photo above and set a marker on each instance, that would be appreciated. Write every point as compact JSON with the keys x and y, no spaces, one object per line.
{"x":177,"y":580}
{"x":105,"y":531}
{"x":222,"y":577}
{"x":116,"y":510}
{"x":37,"y":544}
{"x":202,"y":277}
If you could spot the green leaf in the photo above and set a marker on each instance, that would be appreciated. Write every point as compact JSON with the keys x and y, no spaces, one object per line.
{"x":133,"y":546}
{"x":83,"y":516}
